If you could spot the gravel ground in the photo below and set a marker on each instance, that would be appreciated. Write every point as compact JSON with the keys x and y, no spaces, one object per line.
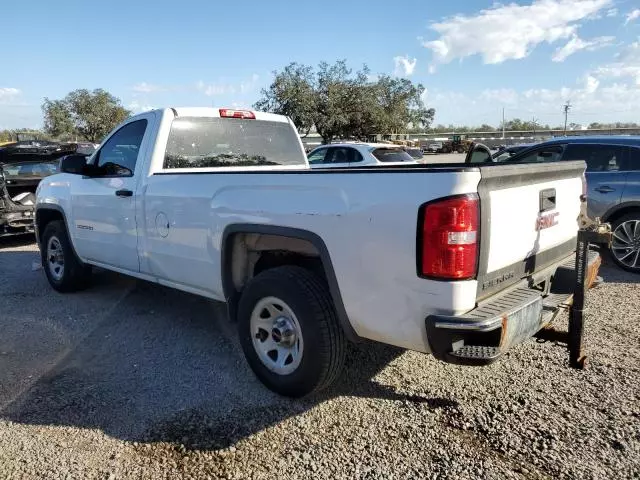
{"x":131,"y":380}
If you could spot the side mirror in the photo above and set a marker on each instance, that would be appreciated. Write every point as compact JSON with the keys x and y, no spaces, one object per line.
{"x":75,"y":164}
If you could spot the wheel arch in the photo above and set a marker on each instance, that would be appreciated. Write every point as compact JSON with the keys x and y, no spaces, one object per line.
{"x":621,"y":210}
{"x":48,"y":213}
{"x":232,"y":293}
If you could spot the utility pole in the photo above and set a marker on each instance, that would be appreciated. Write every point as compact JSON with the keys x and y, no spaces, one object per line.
{"x":503,"y":123}
{"x":534,"y":127}
{"x":566,"y":107}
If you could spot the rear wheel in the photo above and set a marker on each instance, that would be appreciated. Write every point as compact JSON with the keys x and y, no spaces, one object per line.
{"x":64,"y":270}
{"x":625,"y":248}
{"x":289,"y":331}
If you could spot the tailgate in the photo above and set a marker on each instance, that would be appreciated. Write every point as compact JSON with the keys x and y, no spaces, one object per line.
{"x":529,"y":220}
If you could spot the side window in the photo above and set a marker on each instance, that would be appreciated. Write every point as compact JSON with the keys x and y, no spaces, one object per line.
{"x":317,"y":156}
{"x":119,"y":154}
{"x":551,"y":153}
{"x":338,"y":155}
{"x":599,"y":158}
{"x":354,"y":156}
{"x":335,"y":155}
{"x":633,"y":160}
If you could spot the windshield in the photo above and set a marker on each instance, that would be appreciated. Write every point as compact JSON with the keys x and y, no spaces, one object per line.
{"x":202,"y":142}
{"x":391,"y":155}
{"x":415,"y":153}
{"x":85,"y":149}
{"x":30,"y":169}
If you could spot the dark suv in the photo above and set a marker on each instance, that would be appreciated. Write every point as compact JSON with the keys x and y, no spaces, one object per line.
{"x":613,"y":185}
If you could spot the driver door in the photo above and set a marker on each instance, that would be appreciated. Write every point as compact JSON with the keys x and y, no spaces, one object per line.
{"x":104,"y":204}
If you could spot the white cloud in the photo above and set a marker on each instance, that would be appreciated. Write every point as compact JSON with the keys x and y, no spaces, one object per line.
{"x":144,"y":87}
{"x":8,"y":93}
{"x":512,"y":31}
{"x":216,"y":89}
{"x":592,"y":102}
{"x":612,"y":12}
{"x":404,"y":66}
{"x":500,"y":95}
{"x":137,"y":107}
{"x":575,"y":44}
{"x":591,"y":84}
{"x":249,"y":85}
{"x":633,"y":15}
{"x":626,"y":66}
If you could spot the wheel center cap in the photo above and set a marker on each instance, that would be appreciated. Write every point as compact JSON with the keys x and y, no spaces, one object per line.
{"x":283,"y":332}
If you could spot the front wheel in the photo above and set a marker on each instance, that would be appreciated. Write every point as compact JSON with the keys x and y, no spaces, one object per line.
{"x":289,"y":331}
{"x":64,"y":270}
{"x":625,"y":248}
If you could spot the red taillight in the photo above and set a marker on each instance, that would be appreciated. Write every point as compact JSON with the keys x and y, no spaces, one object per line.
{"x":245,"y":114}
{"x":450,"y":238}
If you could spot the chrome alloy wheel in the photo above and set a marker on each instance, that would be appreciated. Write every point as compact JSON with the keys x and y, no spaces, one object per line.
{"x":626,"y":244}
{"x":276,"y":335}
{"x":55,"y":258}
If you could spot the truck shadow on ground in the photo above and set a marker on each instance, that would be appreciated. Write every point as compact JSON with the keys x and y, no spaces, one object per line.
{"x":17,"y":240}
{"x":165,"y":366}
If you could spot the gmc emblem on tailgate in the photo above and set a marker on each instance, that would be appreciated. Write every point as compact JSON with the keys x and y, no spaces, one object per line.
{"x":546,"y":221}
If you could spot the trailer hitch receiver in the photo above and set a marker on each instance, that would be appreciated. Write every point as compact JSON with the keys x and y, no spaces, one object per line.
{"x":589,"y":232}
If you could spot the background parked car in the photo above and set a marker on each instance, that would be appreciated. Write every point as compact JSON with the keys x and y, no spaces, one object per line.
{"x":433,"y":147}
{"x":509,"y":152}
{"x":613,"y":185}
{"x":415,"y":153}
{"x":358,"y":155}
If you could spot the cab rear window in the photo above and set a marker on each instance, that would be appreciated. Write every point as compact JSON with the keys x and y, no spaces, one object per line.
{"x":205,"y":142}
{"x":391,"y":155}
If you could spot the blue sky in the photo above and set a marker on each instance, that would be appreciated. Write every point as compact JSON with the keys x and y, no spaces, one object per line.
{"x":474,"y":58}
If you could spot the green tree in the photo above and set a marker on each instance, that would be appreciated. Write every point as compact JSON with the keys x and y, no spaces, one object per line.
{"x":341,"y":103}
{"x":90,"y":115}
{"x":58,"y":121}
{"x":292,"y":94}
{"x":402,"y":105}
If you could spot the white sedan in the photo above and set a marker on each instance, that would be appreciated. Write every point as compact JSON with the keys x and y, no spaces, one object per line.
{"x":358,"y":155}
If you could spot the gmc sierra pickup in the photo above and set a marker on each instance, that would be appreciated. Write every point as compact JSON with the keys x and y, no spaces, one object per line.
{"x":459,"y":261}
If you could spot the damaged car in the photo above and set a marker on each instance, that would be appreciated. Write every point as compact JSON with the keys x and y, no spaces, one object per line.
{"x":16,"y":213}
{"x":22,"y":166}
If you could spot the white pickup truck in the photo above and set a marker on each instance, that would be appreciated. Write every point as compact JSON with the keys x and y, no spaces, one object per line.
{"x":459,"y":261}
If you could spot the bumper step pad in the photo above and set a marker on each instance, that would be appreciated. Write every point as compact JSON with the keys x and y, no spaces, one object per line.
{"x":476,"y":354}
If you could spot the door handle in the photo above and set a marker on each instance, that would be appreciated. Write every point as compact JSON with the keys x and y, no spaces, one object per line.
{"x":124,"y":193}
{"x":605,"y":189}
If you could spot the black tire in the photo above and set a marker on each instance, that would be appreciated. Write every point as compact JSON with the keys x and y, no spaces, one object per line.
{"x":75,"y":275}
{"x":324,"y":349}
{"x":630,"y":217}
